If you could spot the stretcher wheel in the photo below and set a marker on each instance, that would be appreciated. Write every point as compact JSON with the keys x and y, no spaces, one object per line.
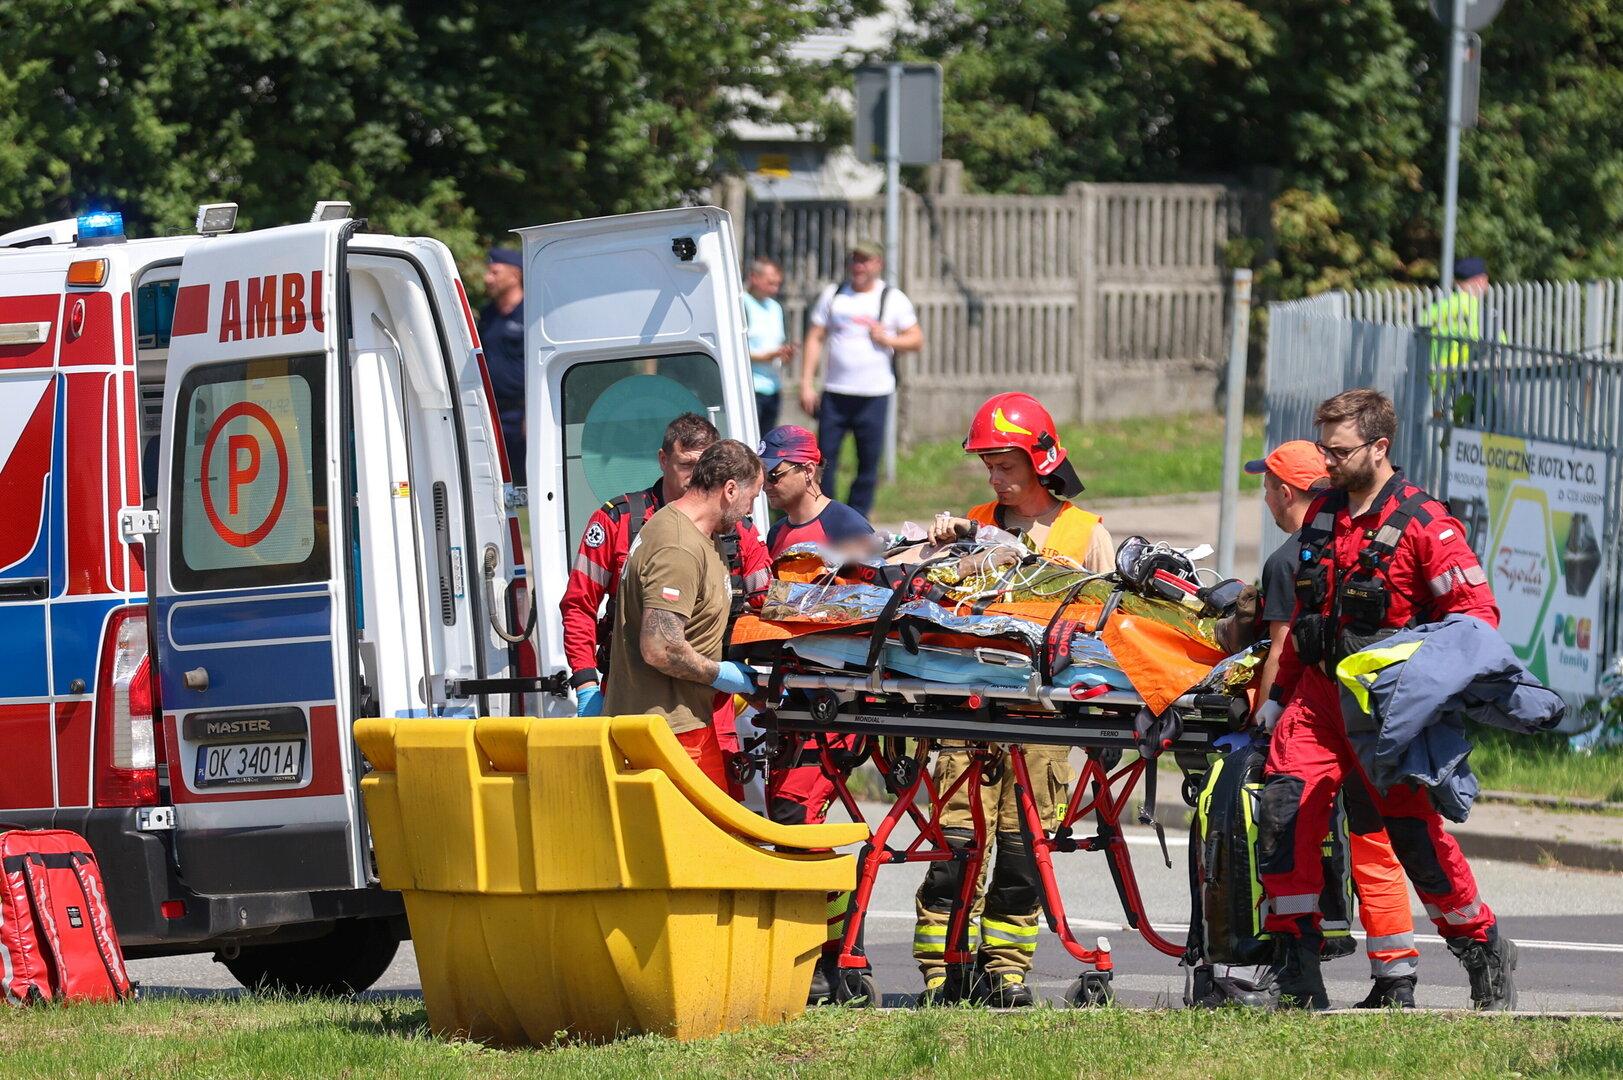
{"x":1091,"y":991}
{"x":824,"y":707}
{"x":856,"y":987}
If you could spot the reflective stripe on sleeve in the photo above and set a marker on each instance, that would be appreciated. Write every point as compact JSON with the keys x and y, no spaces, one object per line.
{"x":1459,"y":916}
{"x":598,"y":574}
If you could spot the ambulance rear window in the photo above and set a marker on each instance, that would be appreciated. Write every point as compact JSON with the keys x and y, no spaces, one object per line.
{"x":615,"y":413}
{"x":249,"y":480}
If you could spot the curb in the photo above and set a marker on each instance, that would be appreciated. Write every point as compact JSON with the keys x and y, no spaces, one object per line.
{"x":1554,"y":802}
{"x":1538,"y":851}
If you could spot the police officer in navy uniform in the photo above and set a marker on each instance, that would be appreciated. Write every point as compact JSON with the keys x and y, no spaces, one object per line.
{"x":501,"y":333}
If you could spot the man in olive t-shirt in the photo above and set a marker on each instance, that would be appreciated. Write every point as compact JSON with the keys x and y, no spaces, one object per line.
{"x":671,"y":624}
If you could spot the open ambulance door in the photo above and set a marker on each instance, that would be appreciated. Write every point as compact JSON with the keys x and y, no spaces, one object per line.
{"x":630,"y":321}
{"x":254,"y":584}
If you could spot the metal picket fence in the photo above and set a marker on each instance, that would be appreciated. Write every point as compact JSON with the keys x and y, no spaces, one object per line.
{"x":1548,"y":366}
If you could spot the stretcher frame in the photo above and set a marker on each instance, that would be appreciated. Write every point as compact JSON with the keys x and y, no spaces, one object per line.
{"x":819,"y":706}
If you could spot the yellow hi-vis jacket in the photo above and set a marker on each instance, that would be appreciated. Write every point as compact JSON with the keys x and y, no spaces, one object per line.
{"x":1071,"y":536}
{"x":1458,"y":315}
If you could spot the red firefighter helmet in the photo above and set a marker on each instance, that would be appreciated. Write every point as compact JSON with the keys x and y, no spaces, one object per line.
{"x":1019,"y":422}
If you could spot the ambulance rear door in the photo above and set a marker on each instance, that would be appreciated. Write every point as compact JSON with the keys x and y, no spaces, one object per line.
{"x":630,"y":321}
{"x":253,"y":582}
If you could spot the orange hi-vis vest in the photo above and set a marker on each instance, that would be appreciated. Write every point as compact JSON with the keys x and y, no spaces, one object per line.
{"x":1067,"y":537}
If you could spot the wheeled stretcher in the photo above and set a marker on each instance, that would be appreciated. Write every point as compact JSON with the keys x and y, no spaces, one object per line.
{"x":897,"y":722}
{"x":842,"y":692}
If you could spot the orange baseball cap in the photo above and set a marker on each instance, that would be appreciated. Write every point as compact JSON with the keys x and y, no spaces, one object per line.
{"x":1298,"y":463}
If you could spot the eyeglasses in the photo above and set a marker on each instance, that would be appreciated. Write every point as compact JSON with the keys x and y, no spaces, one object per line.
{"x":775,"y":477}
{"x":1340,"y":454}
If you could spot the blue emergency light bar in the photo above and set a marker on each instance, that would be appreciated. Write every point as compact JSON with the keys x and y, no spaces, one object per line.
{"x":101,"y":227}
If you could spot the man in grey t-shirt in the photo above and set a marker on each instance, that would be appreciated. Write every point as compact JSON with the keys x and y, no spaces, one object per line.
{"x":865,"y":323}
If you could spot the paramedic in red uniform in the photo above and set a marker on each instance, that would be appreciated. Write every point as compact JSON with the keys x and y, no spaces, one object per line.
{"x":1377,"y":553}
{"x":609,"y":533}
{"x":800,"y":794}
{"x":1029,"y":471}
{"x":1293,"y":475}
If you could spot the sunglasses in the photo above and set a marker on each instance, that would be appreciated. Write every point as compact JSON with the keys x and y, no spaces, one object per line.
{"x":776,"y":476}
{"x":1339,"y":454}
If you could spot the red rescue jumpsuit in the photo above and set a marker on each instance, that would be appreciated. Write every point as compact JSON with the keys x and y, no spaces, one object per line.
{"x":1432,"y":573}
{"x":595,"y":576}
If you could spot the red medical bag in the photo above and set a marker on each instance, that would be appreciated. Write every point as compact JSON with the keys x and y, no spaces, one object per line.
{"x":57,"y":940}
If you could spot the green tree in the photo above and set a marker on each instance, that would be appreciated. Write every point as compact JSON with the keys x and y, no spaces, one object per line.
{"x":1339,"y":102}
{"x":452,"y":117}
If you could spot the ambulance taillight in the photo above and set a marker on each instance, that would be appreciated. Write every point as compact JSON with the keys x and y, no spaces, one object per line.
{"x":126,"y":765}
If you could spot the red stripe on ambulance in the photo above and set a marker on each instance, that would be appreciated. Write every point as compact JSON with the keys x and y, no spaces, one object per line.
{"x":88,"y":319}
{"x":16,"y":309}
{"x":25,"y":732}
{"x":191,"y":311}
{"x":73,"y":752}
{"x":22,"y":479}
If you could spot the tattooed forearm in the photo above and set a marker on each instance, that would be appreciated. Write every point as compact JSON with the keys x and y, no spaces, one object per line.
{"x":665,"y":647}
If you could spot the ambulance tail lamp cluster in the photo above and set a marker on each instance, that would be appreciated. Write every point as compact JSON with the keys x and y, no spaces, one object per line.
{"x":126,"y":752}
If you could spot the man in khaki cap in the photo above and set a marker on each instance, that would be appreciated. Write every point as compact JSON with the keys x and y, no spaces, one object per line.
{"x":865,"y":323}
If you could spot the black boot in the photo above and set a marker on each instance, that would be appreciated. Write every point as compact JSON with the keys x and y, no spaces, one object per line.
{"x":1007,"y":991}
{"x":1390,"y":992}
{"x":1208,"y":990}
{"x":822,"y":983}
{"x":1491,"y":966}
{"x":1294,"y":974}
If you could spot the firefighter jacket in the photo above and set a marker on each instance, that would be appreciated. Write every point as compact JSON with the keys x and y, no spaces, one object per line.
{"x":1406,"y":699}
{"x":1431,"y":572}
{"x":595,"y":574}
{"x":1075,"y":534}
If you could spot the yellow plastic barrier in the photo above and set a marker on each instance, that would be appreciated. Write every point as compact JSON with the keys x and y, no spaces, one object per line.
{"x":585,"y":876}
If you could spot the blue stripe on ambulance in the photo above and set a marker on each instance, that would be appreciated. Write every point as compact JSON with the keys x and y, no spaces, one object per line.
{"x":76,"y":632}
{"x":289,"y":653}
{"x":22,"y":630}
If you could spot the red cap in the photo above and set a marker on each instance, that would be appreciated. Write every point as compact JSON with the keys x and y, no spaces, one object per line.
{"x":1298,"y":463}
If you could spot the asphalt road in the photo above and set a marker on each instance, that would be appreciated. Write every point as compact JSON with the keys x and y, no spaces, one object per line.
{"x":1568,"y":923}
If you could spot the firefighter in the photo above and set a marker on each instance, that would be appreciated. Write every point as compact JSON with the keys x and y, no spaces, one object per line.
{"x":610,"y":531}
{"x":1292,"y":476}
{"x":1029,"y":471}
{"x":1377,"y":554}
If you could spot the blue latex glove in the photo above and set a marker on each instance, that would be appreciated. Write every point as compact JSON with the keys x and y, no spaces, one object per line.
{"x":1234,"y":740}
{"x":735,"y":678}
{"x":589,"y":700}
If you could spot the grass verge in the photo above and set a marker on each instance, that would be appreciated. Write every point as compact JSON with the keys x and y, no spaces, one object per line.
{"x":1545,"y":765}
{"x":388,"y":1037}
{"x":1119,"y":459}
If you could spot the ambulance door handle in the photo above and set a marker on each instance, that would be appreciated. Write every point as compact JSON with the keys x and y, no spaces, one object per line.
{"x":197,"y":679}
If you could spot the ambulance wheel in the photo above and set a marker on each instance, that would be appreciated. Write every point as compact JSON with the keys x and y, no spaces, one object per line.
{"x":1091,"y":991}
{"x":856,"y":988}
{"x":347,"y":960}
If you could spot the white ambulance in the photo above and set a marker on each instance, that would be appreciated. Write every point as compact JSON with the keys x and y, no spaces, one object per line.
{"x":254,"y":488}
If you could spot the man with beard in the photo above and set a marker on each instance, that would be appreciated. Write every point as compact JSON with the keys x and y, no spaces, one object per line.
{"x":674,"y":597}
{"x":1377,"y":554}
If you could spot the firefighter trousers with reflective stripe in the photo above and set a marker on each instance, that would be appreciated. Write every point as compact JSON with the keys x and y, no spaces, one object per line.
{"x":1004,"y":920}
{"x":1309,"y":759}
{"x":1383,"y":905}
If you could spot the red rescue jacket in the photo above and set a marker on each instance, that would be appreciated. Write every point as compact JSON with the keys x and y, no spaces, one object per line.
{"x":1432,"y":571}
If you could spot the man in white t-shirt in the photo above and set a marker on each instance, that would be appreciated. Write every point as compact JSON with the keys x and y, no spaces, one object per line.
{"x":768,"y":338}
{"x":865,"y":324}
